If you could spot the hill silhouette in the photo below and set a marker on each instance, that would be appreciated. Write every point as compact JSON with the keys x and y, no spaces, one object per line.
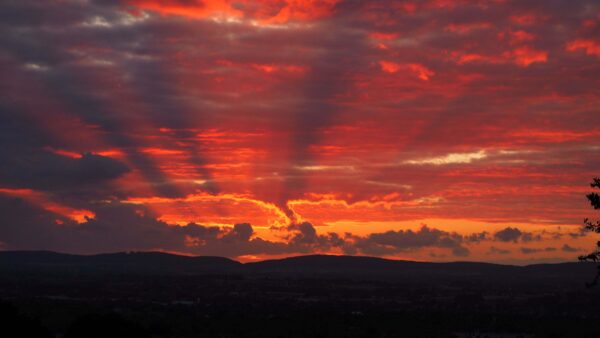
{"x":123,"y":262}
{"x":356,"y":267}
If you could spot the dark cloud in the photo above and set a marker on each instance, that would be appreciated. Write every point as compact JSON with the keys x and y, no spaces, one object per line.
{"x":28,"y":159}
{"x":477,"y":237}
{"x":528,"y":251}
{"x":304,"y":239}
{"x":305,"y":233}
{"x":568,"y":248}
{"x":48,"y":171}
{"x":529,"y":237}
{"x":582,"y":232}
{"x":241,"y":232}
{"x":494,"y":250}
{"x":122,"y":227}
{"x":461,"y":251}
{"x":510,"y":234}
{"x":392,"y":242}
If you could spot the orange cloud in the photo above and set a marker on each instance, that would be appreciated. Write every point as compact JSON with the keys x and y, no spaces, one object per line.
{"x":196,"y":9}
{"x":296,"y":10}
{"x":263,"y":11}
{"x":201,"y":208}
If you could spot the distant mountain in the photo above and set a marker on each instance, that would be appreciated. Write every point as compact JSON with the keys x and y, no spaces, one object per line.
{"x":355,"y":267}
{"x":361,"y":264}
{"x":124,"y":262}
{"x":366,"y":268}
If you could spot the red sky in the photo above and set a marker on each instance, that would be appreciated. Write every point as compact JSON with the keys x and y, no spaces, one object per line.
{"x":428,"y":130}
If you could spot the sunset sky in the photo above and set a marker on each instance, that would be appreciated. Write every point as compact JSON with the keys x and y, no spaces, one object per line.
{"x":431,"y":130}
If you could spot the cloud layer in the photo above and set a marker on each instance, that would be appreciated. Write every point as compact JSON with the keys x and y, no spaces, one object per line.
{"x":136,"y":120}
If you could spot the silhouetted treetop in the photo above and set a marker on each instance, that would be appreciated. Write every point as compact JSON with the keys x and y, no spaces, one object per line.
{"x":594,"y":226}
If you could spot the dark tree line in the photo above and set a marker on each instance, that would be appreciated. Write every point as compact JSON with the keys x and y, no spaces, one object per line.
{"x":594,"y":226}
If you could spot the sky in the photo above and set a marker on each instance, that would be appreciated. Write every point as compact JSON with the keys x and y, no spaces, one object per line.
{"x":430,"y":130}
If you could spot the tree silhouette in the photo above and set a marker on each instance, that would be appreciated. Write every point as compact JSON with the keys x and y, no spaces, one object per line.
{"x":594,"y":226}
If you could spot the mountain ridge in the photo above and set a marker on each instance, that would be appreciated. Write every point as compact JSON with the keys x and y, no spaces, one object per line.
{"x":319,"y":267}
{"x":299,"y":258}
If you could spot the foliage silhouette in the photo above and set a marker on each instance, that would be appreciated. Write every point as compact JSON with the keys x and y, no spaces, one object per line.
{"x":594,"y":226}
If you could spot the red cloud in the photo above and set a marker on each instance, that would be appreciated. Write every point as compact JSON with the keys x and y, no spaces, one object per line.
{"x":591,"y":47}
{"x":525,"y":56}
{"x":524,"y":19}
{"x":522,"y":56}
{"x":419,"y":70}
{"x":383,"y":36}
{"x":516,"y":37}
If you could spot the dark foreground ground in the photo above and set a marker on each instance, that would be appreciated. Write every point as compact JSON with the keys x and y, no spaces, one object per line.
{"x":157,"y":295}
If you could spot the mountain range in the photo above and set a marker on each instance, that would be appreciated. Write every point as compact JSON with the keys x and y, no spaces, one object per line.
{"x":355,"y":267}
